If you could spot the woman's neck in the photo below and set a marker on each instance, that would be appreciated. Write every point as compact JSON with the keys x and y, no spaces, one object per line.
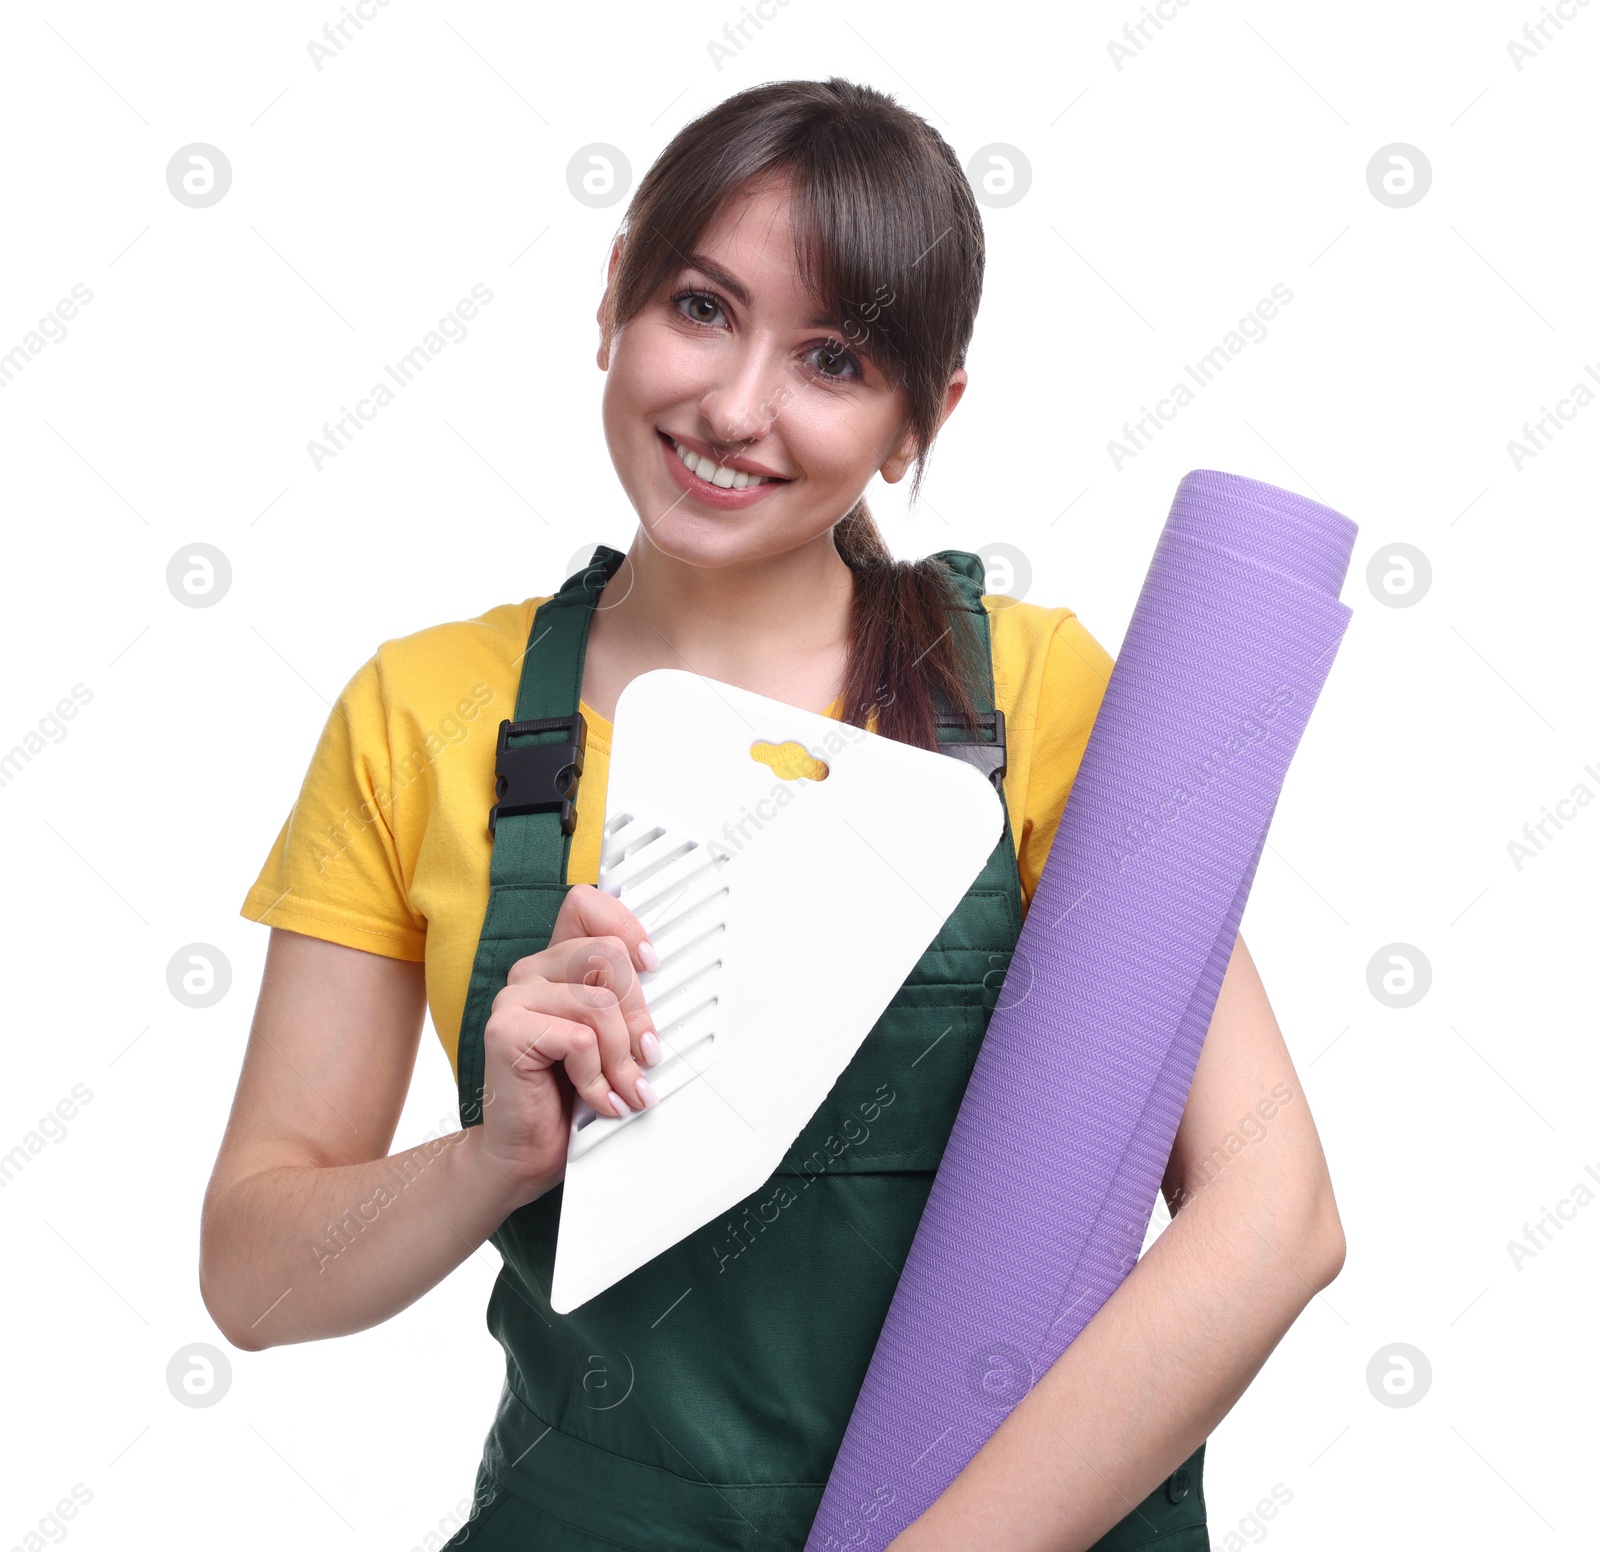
{"x":778,"y":626}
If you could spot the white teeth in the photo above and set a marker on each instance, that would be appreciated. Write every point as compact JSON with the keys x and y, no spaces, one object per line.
{"x":706,"y":468}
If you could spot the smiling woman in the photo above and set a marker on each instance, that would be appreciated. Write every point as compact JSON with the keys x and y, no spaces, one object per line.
{"x":791,"y":298}
{"x":786,"y":315}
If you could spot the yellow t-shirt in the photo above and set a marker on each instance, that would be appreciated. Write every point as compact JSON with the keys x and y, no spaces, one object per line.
{"x":387,"y":847}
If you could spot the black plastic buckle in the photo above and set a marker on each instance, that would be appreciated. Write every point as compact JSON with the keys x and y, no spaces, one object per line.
{"x":539,"y":777}
{"x":989,"y":757}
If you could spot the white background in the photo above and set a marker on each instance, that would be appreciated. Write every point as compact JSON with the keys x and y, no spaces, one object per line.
{"x":1167,"y":197}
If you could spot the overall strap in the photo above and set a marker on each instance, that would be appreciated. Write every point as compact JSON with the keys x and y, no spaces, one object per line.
{"x":538,"y":763}
{"x":988,"y":750}
{"x":539,"y":755}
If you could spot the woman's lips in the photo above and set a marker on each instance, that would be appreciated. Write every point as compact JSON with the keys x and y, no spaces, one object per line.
{"x":704,"y":491}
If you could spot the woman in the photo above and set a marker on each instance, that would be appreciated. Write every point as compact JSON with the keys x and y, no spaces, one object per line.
{"x":787,"y":313}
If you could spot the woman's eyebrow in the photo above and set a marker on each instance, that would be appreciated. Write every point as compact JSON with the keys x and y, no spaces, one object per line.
{"x":736,"y":288}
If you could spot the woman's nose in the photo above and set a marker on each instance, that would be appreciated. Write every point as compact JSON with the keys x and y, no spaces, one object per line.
{"x":743,"y":404}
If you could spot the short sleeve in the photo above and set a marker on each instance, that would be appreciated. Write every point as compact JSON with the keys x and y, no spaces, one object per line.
{"x":1076,"y":671}
{"x":335,"y":870}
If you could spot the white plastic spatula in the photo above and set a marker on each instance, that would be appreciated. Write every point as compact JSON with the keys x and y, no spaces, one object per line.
{"x":787,"y":910}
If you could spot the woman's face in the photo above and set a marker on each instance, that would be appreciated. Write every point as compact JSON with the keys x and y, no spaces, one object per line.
{"x":733,"y":360}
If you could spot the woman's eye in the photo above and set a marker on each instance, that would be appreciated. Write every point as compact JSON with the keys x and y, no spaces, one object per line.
{"x":688,"y":301}
{"x":831,"y":357}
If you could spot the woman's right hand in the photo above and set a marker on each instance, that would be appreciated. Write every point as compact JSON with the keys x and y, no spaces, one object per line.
{"x":571,"y":1018}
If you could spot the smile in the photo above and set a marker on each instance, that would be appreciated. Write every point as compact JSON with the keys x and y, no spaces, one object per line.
{"x":714,"y":474}
{"x":710,"y":485}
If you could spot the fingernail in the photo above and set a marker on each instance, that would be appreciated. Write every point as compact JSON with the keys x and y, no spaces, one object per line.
{"x":647,"y":1094}
{"x":651,"y":1048}
{"x":647,"y":952}
{"x":618,"y":1103}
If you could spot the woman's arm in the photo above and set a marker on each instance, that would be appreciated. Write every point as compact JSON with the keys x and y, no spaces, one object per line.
{"x":307,"y":1229}
{"x":1255,"y":1235}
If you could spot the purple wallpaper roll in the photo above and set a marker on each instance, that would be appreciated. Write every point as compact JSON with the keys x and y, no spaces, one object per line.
{"x":1035,"y":1219}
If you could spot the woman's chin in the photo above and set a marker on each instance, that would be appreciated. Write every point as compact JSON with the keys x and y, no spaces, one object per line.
{"x":694,"y":538}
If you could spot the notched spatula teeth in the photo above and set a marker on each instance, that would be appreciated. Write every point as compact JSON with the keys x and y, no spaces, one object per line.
{"x":674,"y":884}
{"x":665,"y":999}
{"x":622,"y":834}
{"x":688,"y":915}
{"x":668,"y":882}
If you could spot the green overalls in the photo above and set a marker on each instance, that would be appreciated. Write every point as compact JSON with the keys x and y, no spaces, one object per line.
{"x":699,"y":1403}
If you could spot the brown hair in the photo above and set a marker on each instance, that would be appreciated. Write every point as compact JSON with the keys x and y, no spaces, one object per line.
{"x":888,"y":235}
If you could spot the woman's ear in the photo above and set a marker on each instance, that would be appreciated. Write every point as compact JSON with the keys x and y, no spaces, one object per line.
{"x":894,"y":468}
